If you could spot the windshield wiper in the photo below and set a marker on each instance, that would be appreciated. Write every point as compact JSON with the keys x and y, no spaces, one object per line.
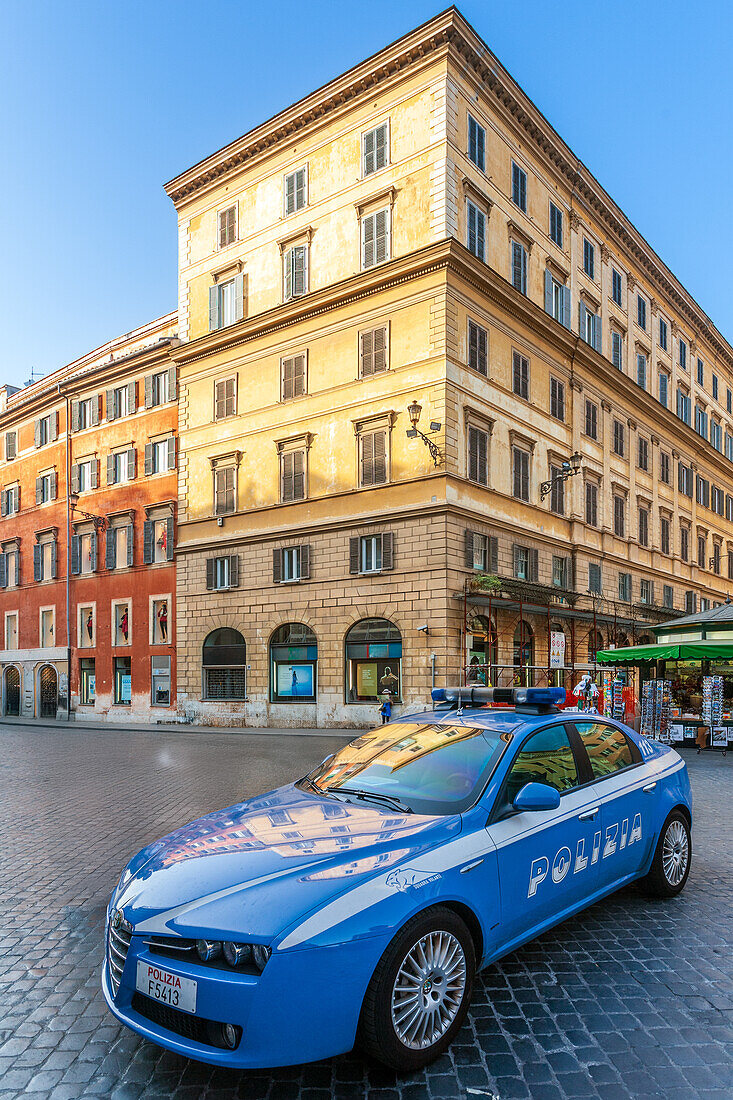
{"x":375,"y":796}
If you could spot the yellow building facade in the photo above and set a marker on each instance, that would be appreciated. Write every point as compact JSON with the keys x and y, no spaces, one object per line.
{"x":414,"y":245}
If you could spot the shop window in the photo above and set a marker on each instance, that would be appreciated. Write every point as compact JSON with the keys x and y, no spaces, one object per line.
{"x":121,"y":625}
{"x":160,"y":681}
{"x":86,"y":627}
{"x":224,"y":660}
{"x":160,"y":622}
{"x":122,"y":681}
{"x":158,"y":540}
{"x":293,"y":664}
{"x":11,"y":630}
{"x":373,"y":661}
{"x":47,"y":628}
{"x":483,"y":652}
{"x":87,"y":682}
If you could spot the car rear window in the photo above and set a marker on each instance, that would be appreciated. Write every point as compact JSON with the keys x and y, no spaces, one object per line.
{"x":607,"y":747}
{"x":434,"y":769}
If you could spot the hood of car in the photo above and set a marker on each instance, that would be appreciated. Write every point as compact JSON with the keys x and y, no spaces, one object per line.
{"x":253,"y":869}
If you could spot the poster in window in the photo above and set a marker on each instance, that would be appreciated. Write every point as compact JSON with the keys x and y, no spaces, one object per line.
{"x":366,"y":678}
{"x":295,"y":681}
{"x":557,"y":649}
{"x":126,"y":688}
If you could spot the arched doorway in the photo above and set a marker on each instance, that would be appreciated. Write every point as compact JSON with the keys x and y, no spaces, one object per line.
{"x":293,"y":664}
{"x":48,"y":691}
{"x":373,"y":661}
{"x":482,"y":651}
{"x":12,"y":691}
{"x":523,"y":654}
{"x":224,"y":664}
{"x":595,"y":642}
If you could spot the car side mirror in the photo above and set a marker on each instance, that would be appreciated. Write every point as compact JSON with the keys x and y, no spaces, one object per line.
{"x":326,"y":759}
{"x":537,"y":796}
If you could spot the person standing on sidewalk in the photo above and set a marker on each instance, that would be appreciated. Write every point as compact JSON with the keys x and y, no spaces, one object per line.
{"x":386,"y":708}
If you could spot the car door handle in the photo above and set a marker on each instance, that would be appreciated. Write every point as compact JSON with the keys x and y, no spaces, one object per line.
{"x":470,"y":866}
{"x":589,"y":815}
{"x":649,"y":787}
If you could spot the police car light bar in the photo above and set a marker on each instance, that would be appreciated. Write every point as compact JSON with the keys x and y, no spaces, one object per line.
{"x":530,"y":700}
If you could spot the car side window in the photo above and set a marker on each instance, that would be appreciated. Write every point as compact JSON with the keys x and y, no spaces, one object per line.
{"x":546,"y":757}
{"x":607,"y":747}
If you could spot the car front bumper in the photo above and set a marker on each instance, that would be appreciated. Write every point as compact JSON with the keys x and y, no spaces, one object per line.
{"x":304,"y":1005}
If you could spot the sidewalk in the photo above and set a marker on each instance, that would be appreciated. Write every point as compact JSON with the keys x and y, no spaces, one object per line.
{"x":173,"y":727}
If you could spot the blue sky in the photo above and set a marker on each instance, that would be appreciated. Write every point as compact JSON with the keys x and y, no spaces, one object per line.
{"x":103,"y":102}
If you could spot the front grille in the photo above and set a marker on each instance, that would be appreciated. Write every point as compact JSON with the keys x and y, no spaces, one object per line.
{"x":118,"y":944}
{"x":207,"y":1032}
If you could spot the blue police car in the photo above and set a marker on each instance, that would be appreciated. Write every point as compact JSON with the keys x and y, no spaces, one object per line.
{"x":357,"y":904}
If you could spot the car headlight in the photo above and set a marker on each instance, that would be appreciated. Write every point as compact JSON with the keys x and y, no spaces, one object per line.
{"x":260,"y":955}
{"x":208,"y":949}
{"x":237,"y":953}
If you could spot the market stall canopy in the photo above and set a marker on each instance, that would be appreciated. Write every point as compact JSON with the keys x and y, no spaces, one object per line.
{"x":683,"y":651}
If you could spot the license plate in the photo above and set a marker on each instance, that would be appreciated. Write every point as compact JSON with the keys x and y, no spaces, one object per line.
{"x":168,"y":988}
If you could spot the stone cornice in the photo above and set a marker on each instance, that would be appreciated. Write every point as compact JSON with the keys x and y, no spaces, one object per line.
{"x":451,"y":256}
{"x":450,"y":33}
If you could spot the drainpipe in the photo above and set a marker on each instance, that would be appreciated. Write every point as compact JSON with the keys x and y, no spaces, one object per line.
{"x":432,"y":664}
{"x":68,"y":559}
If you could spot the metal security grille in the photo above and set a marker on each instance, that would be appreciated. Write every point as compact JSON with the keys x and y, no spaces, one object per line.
{"x":225,"y":683}
{"x":118,"y":944}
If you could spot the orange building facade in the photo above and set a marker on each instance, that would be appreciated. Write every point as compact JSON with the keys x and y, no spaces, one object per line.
{"x":88,"y":488}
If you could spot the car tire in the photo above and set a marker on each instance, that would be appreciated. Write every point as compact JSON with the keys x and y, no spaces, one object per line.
{"x":408,"y":1024}
{"x":672,"y":857}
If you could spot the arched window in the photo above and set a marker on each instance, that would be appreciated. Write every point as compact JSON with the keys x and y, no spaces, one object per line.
{"x":622,"y":640}
{"x":293,"y":664}
{"x":595,"y":642}
{"x":224,"y":665}
{"x":482,"y":652}
{"x":523,"y":653}
{"x":373,"y":661}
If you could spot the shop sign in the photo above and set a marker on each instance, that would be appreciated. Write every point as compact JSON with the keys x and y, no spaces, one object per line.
{"x":557,"y":649}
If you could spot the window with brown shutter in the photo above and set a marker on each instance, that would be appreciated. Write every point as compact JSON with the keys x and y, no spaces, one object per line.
{"x":478,"y":342}
{"x":372,"y":351}
{"x":478,"y":455}
{"x":292,"y":476}
{"x":292,"y":377}
{"x":373,"y":451}
{"x":225,"y":403}
{"x":227,"y":226}
{"x":224,"y":490}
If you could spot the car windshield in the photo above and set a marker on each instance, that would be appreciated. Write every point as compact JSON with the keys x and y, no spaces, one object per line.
{"x":427,"y":769}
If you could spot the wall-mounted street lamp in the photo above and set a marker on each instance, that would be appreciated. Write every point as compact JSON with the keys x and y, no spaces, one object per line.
{"x":99,"y":521}
{"x":413,"y":411}
{"x":569,"y":468}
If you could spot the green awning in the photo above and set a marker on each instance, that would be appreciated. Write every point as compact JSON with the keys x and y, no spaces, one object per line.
{"x":685,"y":651}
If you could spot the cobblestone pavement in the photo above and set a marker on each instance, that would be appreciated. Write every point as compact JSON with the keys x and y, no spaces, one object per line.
{"x":632,"y":999}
